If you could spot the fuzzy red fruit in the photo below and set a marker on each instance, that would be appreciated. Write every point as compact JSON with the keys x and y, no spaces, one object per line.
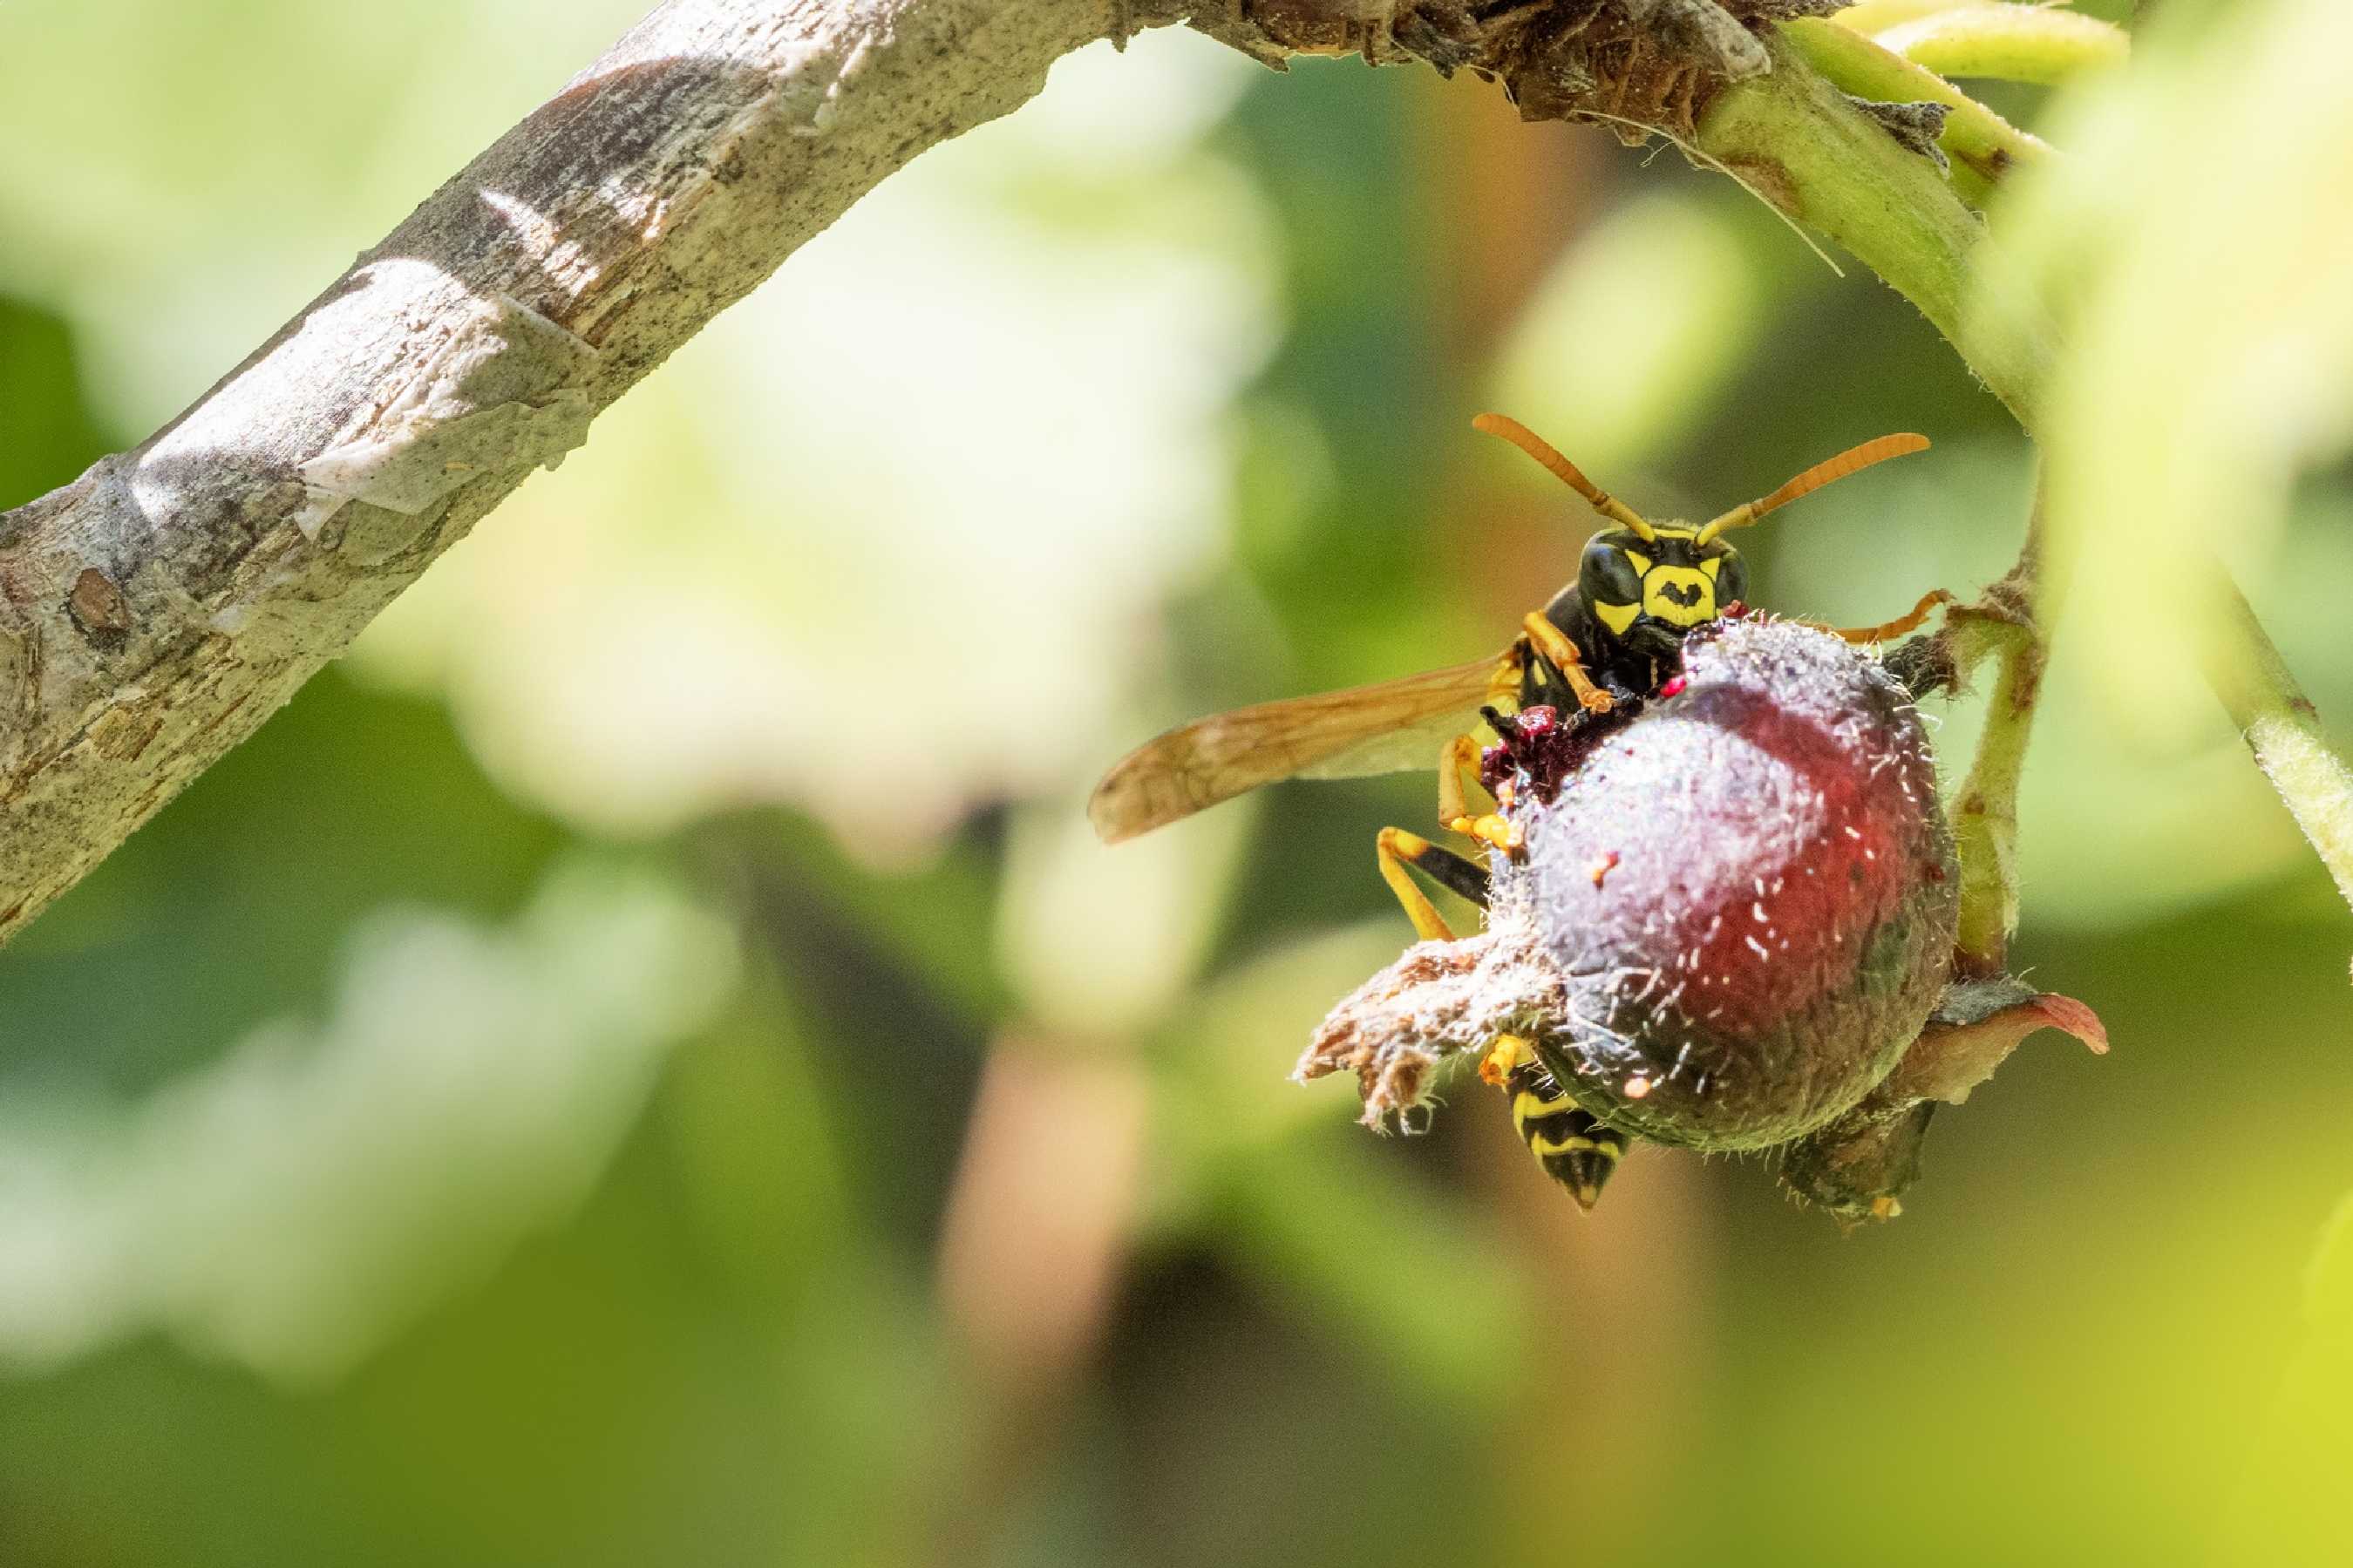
{"x":1778,"y":920}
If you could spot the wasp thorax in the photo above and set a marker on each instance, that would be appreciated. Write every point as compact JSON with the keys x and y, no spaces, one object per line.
{"x":1732,"y":912}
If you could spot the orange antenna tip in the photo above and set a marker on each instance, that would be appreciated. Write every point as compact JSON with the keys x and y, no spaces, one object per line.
{"x":1852,"y":460}
{"x":1534,"y":446}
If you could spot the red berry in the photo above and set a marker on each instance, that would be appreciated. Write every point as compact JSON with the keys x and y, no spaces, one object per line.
{"x":1781,"y":918}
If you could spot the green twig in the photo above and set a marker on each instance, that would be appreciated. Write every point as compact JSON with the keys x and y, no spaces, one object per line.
{"x":2012,"y":43}
{"x":2007,"y":625}
{"x":1875,"y":15}
{"x":1982,"y":145}
{"x":1799,"y":141}
{"x":2283,"y":730}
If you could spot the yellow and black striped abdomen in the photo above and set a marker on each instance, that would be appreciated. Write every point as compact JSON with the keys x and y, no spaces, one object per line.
{"x":1574,"y":1148}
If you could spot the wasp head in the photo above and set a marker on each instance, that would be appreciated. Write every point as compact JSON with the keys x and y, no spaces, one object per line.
{"x":1648,"y":592}
{"x":1646,"y":584}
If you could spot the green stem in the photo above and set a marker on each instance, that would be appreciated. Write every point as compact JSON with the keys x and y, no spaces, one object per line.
{"x":2013,"y":43}
{"x":2283,"y":730}
{"x":1985,"y":818}
{"x":1982,"y":145}
{"x":1872,"y":15}
{"x":1798,"y":142}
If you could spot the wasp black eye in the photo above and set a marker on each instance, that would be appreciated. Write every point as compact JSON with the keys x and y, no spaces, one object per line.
{"x":1731,"y":578}
{"x":1606,"y":575}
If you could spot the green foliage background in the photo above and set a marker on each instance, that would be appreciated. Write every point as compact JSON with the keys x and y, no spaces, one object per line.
{"x":650,"y":1068}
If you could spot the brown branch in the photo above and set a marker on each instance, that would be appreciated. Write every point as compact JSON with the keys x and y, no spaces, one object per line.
{"x":155,"y":611}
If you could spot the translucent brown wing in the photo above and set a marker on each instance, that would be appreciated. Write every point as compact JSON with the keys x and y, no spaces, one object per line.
{"x":1385,"y":727}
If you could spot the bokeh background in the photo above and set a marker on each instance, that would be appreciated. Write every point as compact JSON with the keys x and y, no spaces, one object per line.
{"x":657,"y":1071}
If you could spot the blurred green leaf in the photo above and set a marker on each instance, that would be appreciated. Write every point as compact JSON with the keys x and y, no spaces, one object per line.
{"x":1222,"y":1064}
{"x":291,"y":1204}
{"x":1636,"y":327}
{"x":46,"y":435}
{"x":1411,"y":1283}
{"x":2288,"y":1504}
{"x":204,"y":171}
{"x":1103,"y":940}
{"x":232,"y":908}
{"x":2209,"y":322}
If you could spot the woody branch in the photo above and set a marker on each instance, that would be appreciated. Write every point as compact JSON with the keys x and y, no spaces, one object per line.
{"x":156,"y":610}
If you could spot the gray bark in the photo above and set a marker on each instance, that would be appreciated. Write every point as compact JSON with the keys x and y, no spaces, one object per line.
{"x":155,"y":611}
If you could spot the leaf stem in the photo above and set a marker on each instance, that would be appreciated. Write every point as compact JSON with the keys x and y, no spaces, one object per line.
{"x":2013,"y":43}
{"x":1797,"y":139}
{"x":1982,"y":144}
{"x":2005,"y":626}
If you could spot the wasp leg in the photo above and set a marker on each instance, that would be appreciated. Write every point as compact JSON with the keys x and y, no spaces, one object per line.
{"x":1574,"y":1149}
{"x":1553,"y":643}
{"x":1457,"y":765}
{"x":1909,"y":621}
{"x":1396,"y":849}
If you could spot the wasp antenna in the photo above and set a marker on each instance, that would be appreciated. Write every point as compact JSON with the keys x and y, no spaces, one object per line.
{"x":1536,"y":447}
{"x":1852,"y":460}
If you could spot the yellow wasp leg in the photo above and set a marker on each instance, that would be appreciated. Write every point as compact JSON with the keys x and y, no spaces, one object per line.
{"x":1458,"y":765}
{"x":1508,"y":1054}
{"x":1909,"y":621}
{"x":1553,"y":643}
{"x":1396,"y":849}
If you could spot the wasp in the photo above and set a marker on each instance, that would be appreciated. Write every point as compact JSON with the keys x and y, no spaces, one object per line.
{"x":1610,"y":639}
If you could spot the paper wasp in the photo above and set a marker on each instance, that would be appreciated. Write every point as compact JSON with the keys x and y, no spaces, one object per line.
{"x":1612,"y":637}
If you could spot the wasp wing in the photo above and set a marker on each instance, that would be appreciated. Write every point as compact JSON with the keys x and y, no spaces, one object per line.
{"x":1385,"y":727}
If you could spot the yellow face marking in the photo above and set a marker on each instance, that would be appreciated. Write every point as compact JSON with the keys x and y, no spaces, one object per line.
{"x":1711,"y":565}
{"x":1617,"y":618}
{"x":1642,"y":562}
{"x":1679,"y":595}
